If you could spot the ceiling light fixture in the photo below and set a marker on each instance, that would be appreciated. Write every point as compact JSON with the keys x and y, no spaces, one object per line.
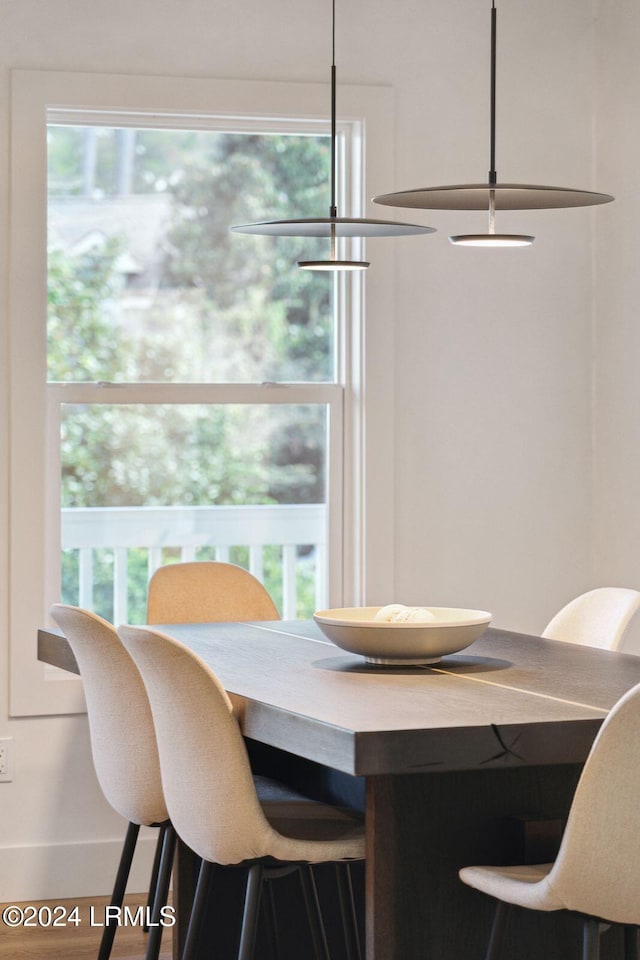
{"x":333,"y":226}
{"x":492,"y":196}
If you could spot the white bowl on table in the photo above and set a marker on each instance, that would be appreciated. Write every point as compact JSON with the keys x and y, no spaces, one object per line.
{"x":356,"y":630}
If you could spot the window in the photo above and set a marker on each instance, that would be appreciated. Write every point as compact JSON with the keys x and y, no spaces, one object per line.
{"x":147,"y":286}
{"x":202,"y":398}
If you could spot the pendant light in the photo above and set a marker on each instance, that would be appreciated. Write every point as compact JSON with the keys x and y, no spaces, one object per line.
{"x":492,"y":196}
{"x":333,"y":227}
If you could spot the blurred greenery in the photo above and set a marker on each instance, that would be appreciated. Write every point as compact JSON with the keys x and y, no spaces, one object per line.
{"x":223,"y":307}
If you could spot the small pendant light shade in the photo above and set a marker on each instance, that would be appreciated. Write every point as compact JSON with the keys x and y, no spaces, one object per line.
{"x":333,"y":227}
{"x":492,"y":240}
{"x":323,"y":265}
{"x":492,"y":196}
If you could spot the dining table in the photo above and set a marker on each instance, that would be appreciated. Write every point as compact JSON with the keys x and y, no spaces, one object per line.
{"x":473,"y":759}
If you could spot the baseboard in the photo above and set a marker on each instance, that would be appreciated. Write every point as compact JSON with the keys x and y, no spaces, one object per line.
{"x":66,"y":870}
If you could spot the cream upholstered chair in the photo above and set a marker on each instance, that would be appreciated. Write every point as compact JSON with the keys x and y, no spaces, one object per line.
{"x":210,"y":591}
{"x":207,"y":592}
{"x":597,"y":870}
{"x":210,"y":791}
{"x":599,"y":618}
{"x":124,"y":750}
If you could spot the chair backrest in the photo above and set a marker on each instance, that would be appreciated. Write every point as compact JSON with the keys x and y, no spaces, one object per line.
{"x":207,"y":592}
{"x":123,"y":741}
{"x":597,"y":871}
{"x":599,"y":618}
{"x":207,"y":778}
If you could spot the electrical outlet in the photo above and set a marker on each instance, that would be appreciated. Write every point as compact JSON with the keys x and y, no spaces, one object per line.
{"x":6,"y":759}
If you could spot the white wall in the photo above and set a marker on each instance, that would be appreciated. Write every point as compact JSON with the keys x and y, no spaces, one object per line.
{"x":617,"y":420}
{"x":493,"y":350}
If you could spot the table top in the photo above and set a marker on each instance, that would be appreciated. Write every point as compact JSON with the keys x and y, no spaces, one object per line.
{"x":508,"y":699}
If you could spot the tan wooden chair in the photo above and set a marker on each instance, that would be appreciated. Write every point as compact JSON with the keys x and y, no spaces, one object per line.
{"x":125,"y":754}
{"x":210,"y":791}
{"x":597,"y":870}
{"x":207,"y":592}
{"x":599,"y":618}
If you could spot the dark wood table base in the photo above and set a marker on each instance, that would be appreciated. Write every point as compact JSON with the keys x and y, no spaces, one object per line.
{"x":421,"y":829}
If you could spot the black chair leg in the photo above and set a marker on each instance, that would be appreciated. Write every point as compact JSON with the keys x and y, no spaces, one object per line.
{"x":119,"y":888}
{"x":251,"y":912}
{"x":631,"y":943}
{"x":161,"y":892}
{"x":153,"y":882}
{"x":591,"y":939}
{"x":198,"y":910}
{"x":314,"y":914}
{"x":498,"y":928}
{"x":271,"y":919}
{"x":348,"y":911}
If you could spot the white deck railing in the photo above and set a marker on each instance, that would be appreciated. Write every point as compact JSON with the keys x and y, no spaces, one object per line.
{"x":189,"y":528}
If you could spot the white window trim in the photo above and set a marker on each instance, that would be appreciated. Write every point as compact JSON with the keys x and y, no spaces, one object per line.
{"x":366,"y":357}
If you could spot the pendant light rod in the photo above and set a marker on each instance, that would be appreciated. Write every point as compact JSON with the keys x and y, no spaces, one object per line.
{"x":334,"y":210}
{"x":493,"y":177}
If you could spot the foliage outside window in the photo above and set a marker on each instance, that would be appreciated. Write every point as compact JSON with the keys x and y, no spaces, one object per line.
{"x":146,"y":285}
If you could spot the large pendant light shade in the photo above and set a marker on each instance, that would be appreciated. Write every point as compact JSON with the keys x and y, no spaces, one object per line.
{"x":327,"y":226}
{"x":332,"y":227}
{"x":508,"y":196}
{"x":492,"y":195}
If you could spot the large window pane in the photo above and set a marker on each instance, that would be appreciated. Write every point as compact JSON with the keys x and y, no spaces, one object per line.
{"x":149,"y":484}
{"x":145,"y":281}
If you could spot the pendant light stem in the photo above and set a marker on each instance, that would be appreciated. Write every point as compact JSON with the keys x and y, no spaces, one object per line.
{"x":334,"y":210}
{"x":492,"y":160}
{"x":492,"y":211}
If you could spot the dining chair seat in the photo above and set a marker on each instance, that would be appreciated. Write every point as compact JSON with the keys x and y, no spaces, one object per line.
{"x":125,"y":754}
{"x":597,"y":870}
{"x":598,"y":618}
{"x":212,"y":798}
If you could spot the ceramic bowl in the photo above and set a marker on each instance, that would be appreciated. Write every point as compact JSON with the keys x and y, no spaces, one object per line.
{"x":355,"y":629}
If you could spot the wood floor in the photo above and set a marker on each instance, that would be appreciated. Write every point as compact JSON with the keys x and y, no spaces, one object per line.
{"x":76,"y":941}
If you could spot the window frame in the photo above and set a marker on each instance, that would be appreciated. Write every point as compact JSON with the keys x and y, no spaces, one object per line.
{"x":361,"y":535}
